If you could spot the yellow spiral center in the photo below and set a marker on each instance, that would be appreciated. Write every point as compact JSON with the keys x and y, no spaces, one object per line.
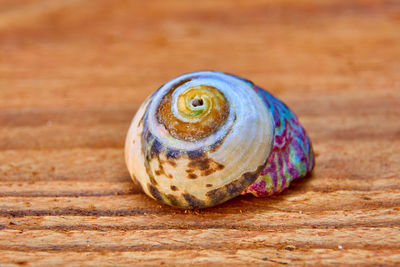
{"x":201,"y":111}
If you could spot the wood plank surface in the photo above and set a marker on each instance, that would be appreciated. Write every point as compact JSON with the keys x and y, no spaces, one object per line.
{"x":74,"y":72}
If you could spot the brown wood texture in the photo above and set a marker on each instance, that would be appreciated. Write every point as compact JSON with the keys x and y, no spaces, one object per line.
{"x":73,"y":73}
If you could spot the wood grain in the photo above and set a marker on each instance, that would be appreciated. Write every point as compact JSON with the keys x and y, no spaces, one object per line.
{"x":73,"y":73}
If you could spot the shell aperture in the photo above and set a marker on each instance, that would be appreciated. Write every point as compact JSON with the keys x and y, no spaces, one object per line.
{"x":206,"y":137}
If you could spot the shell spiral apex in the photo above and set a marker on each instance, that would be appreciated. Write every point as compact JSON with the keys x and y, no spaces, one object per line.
{"x":206,"y":137}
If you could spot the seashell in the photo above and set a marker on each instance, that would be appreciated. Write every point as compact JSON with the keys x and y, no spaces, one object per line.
{"x":206,"y":137}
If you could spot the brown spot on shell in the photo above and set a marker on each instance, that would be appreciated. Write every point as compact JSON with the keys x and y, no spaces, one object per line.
{"x":193,"y":202}
{"x":209,"y":185}
{"x":234,"y":188}
{"x":192,"y":176}
{"x":155,"y":193}
{"x":155,"y":153}
{"x":172,"y":163}
{"x":152,"y":180}
{"x":174,"y":188}
{"x":201,"y":164}
{"x":208,"y":172}
{"x":147,"y":156}
{"x":173,"y":200}
{"x":204,"y":165}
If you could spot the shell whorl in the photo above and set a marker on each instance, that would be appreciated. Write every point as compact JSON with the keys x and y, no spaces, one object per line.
{"x":199,"y":140}
{"x":194,"y":113}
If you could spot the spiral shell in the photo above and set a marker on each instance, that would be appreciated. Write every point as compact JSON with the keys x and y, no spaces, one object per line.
{"x":206,"y":137}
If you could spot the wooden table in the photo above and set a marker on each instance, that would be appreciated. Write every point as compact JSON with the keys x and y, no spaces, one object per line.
{"x":73,"y":73}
